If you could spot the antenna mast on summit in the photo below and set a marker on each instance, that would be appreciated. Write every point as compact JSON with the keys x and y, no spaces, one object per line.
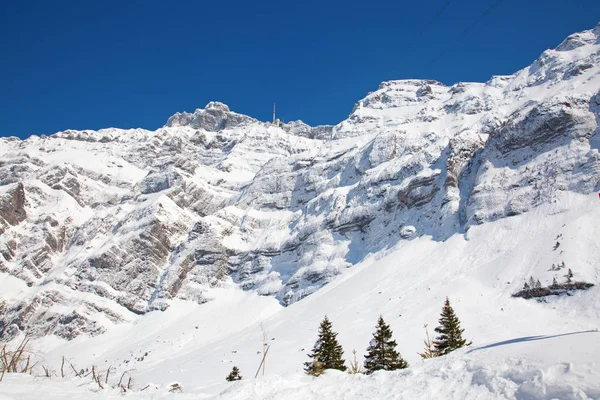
{"x":276,"y":120}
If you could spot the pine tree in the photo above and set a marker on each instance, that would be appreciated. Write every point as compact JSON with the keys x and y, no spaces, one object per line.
{"x":234,"y":375}
{"x":450,"y":334}
{"x":326,"y":353}
{"x":382,"y":352}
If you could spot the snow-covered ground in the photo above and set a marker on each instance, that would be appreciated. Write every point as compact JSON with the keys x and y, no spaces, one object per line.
{"x":169,"y":256}
{"x":521,"y":348}
{"x":534,"y":367}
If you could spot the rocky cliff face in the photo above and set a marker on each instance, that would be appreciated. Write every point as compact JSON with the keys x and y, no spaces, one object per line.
{"x":95,"y":225}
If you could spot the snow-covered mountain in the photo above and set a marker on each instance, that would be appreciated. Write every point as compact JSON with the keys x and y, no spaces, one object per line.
{"x":98,"y":226}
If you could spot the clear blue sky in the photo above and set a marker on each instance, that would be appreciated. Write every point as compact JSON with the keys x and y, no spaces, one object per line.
{"x":94,"y":64}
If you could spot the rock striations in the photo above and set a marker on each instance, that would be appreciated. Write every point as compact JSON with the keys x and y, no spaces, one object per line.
{"x":95,"y":225}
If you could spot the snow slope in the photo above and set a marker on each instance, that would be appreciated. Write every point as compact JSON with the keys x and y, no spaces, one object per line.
{"x":161,"y":253}
{"x":521,"y":348}
{"x":526,"y":368}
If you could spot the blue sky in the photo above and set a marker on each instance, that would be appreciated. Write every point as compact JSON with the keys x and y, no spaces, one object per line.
{"x":94,"y":64}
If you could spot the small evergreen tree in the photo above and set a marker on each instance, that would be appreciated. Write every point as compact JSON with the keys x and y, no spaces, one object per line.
{"x":450,"y":334}
{"x":429,"y":351}
{"x":569,"y":275}
{"x":326,"y":353}
{"x":382,"y":352}
{"x":355,"y":367}
{"x":234,"y":375}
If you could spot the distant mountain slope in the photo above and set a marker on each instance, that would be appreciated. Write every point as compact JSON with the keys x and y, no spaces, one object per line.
{"x":97,"y":226}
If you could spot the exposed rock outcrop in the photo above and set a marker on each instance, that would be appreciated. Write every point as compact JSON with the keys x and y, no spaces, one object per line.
{"x":115,"y":222}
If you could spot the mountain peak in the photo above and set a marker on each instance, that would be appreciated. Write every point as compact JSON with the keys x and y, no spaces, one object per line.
{"x":217,"y":105}
{"x":215,"y":116}
{"x":218,"y":199}
{"x":579,"y":39}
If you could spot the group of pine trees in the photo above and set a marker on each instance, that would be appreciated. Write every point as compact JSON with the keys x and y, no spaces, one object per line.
{"x":327,"y":353}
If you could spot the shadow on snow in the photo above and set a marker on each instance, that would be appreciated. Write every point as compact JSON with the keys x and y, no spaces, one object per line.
{"x":529,"y":339}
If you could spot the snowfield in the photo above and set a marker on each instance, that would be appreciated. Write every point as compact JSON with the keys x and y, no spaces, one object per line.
{"x":535,"y":367}
{"x":170,"y":256}
{"x":523,"y":349}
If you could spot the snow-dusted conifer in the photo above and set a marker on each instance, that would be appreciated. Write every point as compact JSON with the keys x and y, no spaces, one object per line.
{"x":234,"y":375}
{"x":326,"y":353}
{"x":382,"y":354}
{"x":450,"y":335}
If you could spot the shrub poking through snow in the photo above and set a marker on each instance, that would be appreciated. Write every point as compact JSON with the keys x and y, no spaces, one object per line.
{"x":326,"y":353}
{"x":555,"y":289}
{"x":234,"y":375}
{"x":450,"y":335}
{"x":176,"y":388}
{"x":381,"y":353}
{"x":17,"y":360}
{"x":429,"y":351}
{"x":355,"y":367}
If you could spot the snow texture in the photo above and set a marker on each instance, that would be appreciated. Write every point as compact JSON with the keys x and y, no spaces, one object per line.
{"x":222,"y":221}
